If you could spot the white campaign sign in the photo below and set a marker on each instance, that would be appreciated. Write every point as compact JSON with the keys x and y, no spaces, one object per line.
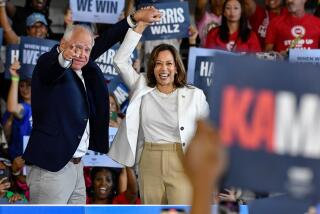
{"x":306,"y":56}
{"x":91,"y":158}
{"x":97,"y":11}
{"x":98,"y":159}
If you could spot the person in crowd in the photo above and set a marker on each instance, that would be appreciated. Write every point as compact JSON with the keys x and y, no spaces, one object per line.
{"x":191,"y":41}
{"x":7,"y":196}
{"x":36,"y":26}
{"x":206,"y":20}
{"x":115,"y":113}
{"x":259,"y":17}
{"x":20,"y":109}
{"x":18,"y":122}
{"x":104,"y":185}
{"x":296,"y":29}
{"x":233,"y":35}
{"x":67,"y":22}
{"x":166,"y":109}
{"x":19,"y":14}
{"x":204,"y":163}
{"x":70,"y":110}
{"x":67,"y":17}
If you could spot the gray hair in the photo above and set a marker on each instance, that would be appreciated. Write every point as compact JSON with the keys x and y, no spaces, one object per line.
{"x":70,"y":29}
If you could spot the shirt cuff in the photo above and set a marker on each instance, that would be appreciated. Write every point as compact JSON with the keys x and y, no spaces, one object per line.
{"x":64,"y":62}
{"x":130,"y":22}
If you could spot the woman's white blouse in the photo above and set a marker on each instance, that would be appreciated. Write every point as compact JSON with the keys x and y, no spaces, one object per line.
{"x":159,"y":117}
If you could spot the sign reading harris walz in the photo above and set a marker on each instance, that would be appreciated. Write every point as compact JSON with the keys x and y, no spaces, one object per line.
{"x":201,"y":67}
{"x":105,"y":62}
{"x":96,"y":11}
{"x":115,"y":83}
{"x":174,"y":23}
{"x":30,"y":51}
{"x":268,"y":114}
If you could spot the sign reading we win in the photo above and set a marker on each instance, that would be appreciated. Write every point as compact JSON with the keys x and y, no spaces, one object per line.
{"x":96,"y":11}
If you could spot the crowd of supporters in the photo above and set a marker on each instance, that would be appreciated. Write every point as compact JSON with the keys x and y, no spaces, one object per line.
{"x":231,"y":25}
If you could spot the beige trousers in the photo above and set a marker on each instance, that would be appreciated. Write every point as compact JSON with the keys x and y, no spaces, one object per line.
{"x":161,"y":175}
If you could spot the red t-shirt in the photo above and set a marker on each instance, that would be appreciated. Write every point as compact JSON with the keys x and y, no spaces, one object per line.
{"x":304,"y":32}
{"x":260,"y":20}
{"x":234,"y":44}
{"x":119,"y":199}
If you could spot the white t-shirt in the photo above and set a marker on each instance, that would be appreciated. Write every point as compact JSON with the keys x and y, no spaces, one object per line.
{"x":159,"y":117}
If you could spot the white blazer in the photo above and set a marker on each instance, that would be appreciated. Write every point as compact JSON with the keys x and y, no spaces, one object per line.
{"x":128,"y":142}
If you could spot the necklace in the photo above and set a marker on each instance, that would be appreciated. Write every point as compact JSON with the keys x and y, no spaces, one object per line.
{"x":161,"y":94}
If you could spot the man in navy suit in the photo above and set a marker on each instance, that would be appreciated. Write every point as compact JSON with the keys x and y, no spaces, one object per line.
{"x":71,"y":111}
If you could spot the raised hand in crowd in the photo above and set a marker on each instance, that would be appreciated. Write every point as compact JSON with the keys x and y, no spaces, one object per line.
{"x":14,"y":68}
{"x":19,"y":14}
{"x":12,"y":102}
{"x":15,"y":197}
{"x":4,"y":185}
{"x":20,"y":109}
{"x":130,"y":181}
{"x":204,"y":163}
{"x":34,"y":25}
{"x":193,"y":34}
{"x":9,"y":35}
{"x":229,"y":195}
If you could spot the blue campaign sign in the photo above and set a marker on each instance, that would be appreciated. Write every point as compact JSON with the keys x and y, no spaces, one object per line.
{"x":268,"y":116}
{"x":42,"y":209}
{"x":194,"y":53}
{"x":30,"y":51}
{"x":143,"y":3}
{"x":97,"y":11}
{"x":305,"y":56}
{"x":120,"y":91}
{"x":174,"y":23}
{"x":204,"y":73}
{"x":91,"y":209}
{"x":154,"y":1}
{"x":280,"y":204}
{"x":105,"y":62}
{"x":12,"y":54}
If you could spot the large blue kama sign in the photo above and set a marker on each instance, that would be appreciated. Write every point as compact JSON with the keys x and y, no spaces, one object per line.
{"x":268,"y":114}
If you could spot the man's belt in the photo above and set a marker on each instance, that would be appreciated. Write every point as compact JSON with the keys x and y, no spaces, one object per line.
{"x":75,"y":160}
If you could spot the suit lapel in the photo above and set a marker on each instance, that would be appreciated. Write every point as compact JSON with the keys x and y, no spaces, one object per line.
{"x":181,"y":101}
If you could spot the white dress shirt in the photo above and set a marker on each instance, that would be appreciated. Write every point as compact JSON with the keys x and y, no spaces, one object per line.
{"x":84,"y":142}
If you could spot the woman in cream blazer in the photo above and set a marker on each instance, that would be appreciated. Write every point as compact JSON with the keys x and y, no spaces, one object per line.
{"x":161,"y":176}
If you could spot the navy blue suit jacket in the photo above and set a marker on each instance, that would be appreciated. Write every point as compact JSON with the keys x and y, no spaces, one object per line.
{"x":61,"y":106}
